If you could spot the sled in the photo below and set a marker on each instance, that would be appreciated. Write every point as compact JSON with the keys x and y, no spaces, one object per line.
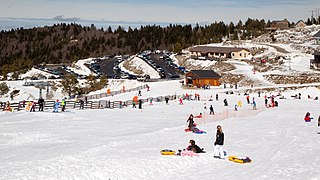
{"x":241,"y":160}
{"x":167,"y":152}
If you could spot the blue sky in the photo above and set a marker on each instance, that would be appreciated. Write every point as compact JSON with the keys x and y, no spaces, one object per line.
{"x":183,"y":11}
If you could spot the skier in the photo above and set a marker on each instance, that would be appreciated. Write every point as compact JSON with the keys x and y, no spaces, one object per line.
{"x":139,"y":93}
{"x":211,"y":110}
{"x":56,"y":106}
{"x":148,"y":88}
{"x":191,"y":122}
{"x":235,"y":107}
{"x":63,"y":104}
{"x":219,"y":143}
{"x":41,"y":103}
{"x":193,"y":147}
{"x":217,"y":97}
{"x":151,"y":99}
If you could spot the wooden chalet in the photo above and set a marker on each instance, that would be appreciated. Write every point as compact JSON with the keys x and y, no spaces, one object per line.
{"x":315,"y":63}
{"x":278,"y":25}
{"x":212,"y":52}
{"x":201,"y":78}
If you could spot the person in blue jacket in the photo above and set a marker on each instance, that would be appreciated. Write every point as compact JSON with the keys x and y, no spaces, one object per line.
{"x":56,"y":106}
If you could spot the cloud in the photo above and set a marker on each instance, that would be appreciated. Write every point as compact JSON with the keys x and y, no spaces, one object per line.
{"x":61,"y":18}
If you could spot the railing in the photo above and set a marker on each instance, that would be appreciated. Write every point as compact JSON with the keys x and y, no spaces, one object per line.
{"x":102,"y":104}
{"x":102,"y":95}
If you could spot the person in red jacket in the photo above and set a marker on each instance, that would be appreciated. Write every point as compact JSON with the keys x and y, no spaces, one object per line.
{"x":307,"y":118}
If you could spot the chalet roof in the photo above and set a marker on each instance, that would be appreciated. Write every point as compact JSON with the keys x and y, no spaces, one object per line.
{"x":212,"y":49}
{"x":317,"y":53}
{"x":317,"y":35}
{"x":203,"y":74}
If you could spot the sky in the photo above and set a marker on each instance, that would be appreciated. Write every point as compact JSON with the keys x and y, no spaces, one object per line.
{"x":177,"y":11}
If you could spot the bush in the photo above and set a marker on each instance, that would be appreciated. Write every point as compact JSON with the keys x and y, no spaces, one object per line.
{"x":4,"y":89}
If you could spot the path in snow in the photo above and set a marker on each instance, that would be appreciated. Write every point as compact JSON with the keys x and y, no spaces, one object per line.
{"x":247,"y":70}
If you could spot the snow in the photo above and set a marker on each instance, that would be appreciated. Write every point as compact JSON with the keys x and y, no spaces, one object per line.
{"x":36,"y":72}
{"x":140,"y":64}
{"x":80,"y":68}
{"x":126,"y":143}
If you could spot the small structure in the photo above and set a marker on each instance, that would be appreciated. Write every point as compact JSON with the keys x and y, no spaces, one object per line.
{"x":201,"y":78}
{"x":212,"y":52}
{"x":316,"y":37}
{"x":278,"y":25}
{"x":300,"y":24}
{"x":315,"y":63}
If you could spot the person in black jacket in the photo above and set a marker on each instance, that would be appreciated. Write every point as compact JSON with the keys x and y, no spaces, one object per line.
{"x":41,"y":103}
{"x":191,"y":122}
{"x":218,"y":150}
{"x":193,"y":147}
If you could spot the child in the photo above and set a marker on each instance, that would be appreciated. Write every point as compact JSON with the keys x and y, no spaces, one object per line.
{"x":193,"y":147}
{"x":307,"y":118}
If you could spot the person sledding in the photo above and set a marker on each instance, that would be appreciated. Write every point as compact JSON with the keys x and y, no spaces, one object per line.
{"x":195,"y":148}
{"x":191,"y":124}
{"x":199,"y":116}
{"x":307,"y":118}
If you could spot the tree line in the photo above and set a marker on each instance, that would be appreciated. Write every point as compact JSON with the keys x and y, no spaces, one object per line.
{"x":21,"y":48}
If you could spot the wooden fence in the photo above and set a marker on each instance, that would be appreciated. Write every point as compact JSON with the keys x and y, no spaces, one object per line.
{"x":102,"y":104}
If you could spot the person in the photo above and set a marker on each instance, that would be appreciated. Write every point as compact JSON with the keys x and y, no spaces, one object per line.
{"x":254,"y":105}
{"x":139,"y":93}
{"x":211,"y":110}
{"x":307,"y":118}
{"x":239,"y":103}
{"x":56,"y":106}
{"x":81,"y":102}
{"x":266,"y":102}
{"x":205,"y":106}
{"x":248,"y":99}
{"x":199,"y":116}
{"x":41,"y":103}
{"x":11,"y":97}
{"x":318,"y":123}
{"x":167,"y":99}
{"x":225,"y":102}
{"x":134,"y":104}
{"x":7,"y":107}
{"x":148,"y":88}
{"x":195,"y":148}
{"x":299,"y":96}
{"x":140,"y":104}
{"x":151,"y":99}
{"x":86,"y":100}
{"x":218,"y":149}
{"x":180,"y":101}
{"x":191,"y":122}
{"x":33,"y":106}
{"x":217,"y":97}
{"x":235,"y":107}
{"x":63,"y":104}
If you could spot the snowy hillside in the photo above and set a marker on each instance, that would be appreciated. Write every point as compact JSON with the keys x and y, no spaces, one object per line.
{"x":126,"y":143}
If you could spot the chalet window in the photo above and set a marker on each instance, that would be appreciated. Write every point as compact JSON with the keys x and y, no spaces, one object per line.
{"x":245,"y":54}
{"x":216,"y":54}
{"x":240,"y":54}
{"x":232,"y":54}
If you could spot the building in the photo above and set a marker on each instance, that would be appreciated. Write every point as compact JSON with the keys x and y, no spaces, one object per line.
{"x":315,"y":63}
{"x":300,"y":24}
{"x":201,"y":78}
{"x":316,"y":37}
{"x":282,"y":24}
{"x":212,"y":52}
{"x":278,"y":25}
